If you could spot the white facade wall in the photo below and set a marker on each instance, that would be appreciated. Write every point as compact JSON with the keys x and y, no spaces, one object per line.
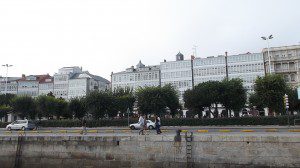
{"x":45,"y":88}
{"x":28,"y":88}
{"x":244,"y":66}
{"x":178,"y":74}
{"x":209,"y":69}
{"x":61,"y":85}
{"x":61,"y":81}
{"x":12,"y":87}
{"x":77,"y":88}
{"x":285,"y":60}
{"x":136,"y":78}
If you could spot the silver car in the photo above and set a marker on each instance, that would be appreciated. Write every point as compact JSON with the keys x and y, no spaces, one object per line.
{"x":21,"y":125}
{"x":150,"y":125}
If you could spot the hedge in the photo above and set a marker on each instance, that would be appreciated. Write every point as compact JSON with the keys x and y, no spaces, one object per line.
{"x":279,"y":120}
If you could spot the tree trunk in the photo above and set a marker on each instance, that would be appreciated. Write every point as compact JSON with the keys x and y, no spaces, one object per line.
{"x":216,"y":108}
{"x":236,"y":114}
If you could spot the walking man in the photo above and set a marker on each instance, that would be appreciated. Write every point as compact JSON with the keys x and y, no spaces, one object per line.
{"x":84,"y":131}
{"x":157,"y":124}
{"x":141,"y":122}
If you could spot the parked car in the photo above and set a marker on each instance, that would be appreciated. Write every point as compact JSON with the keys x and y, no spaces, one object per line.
{"x":21,"y":125}
{"x":150,"y":125}
{"x":246,"y":114}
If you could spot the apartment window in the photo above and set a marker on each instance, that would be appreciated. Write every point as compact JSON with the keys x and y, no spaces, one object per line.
{"x":286,"y":78}
{"x":293,"y":77}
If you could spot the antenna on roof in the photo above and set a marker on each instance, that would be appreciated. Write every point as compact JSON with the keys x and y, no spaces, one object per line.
{"x":195,"y":50}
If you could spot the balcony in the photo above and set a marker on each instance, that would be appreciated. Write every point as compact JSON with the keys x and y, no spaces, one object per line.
{"x":280,"y":70}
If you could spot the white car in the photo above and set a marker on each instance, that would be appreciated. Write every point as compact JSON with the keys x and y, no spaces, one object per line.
{"x":150,"y":125}
{"x":21,"y":125}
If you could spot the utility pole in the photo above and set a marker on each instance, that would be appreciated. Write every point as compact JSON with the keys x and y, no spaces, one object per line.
{"x":7,"y":66}
{"x":192,"y":64}
{"x":226,"y":65}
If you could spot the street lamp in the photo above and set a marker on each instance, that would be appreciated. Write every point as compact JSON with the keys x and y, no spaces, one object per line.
{"x":192,"y":64}
{"x":267,"y":39}
{"x":7,"y":66}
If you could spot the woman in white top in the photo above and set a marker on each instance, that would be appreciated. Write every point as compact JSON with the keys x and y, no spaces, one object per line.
{"x":141,"y":122}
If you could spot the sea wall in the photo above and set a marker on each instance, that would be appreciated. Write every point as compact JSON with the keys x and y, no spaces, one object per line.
{"x":204,"y":150}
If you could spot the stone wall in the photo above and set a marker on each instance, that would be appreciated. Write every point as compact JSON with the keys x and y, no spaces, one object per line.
{"x":207,"y":150}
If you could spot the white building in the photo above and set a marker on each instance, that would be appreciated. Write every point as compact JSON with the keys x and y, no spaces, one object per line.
{"x":177,"y":73}
{"x":285,"y":60}
{"x":61,"y":81}
{"x":134,"y":78}
{"x":46,"y":86}
{"x":80,"y":84}
{"x":29,"y":85}
{"x":12,"y":85}
{"x":244,"y":66}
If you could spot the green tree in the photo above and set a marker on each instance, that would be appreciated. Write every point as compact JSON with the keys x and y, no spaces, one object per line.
{"x":170,"y":97}
{"x":24,"y":106}
{"x":62,"y":109}
{"x":194,"y":101}
{"x":123,"y":99}
{"x":254,"y":100}
{"x":4,"y":110}
{"x":5,"y":99}
{"x":150,"y":100}
{"x":155,"y":100}
{"x":41,"y":106}
{"x":77,"y":107}
{"x":203,"y":96}
{"x":233,"y":96}
{"x":100,"y":104}
{"x":271,"y":90}
{"x":211,"y":92}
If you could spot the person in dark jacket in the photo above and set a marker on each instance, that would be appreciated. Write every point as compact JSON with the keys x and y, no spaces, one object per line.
{"x":157,"y":124}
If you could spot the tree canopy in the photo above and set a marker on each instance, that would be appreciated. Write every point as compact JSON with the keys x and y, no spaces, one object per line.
{"x":156,"y":100}
{"x":270,"y":89}
{"x":24,"y":106}
{"x":230,"y":93}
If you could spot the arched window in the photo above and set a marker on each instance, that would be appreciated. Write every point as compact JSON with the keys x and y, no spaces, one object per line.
{"x":293,"y":77}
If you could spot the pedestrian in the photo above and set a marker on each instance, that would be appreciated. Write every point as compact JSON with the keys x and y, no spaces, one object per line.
{"x":84,"y":131}
{"x":145,"y":124}
{"x":141,"y":122}
{"x":157,"y":124}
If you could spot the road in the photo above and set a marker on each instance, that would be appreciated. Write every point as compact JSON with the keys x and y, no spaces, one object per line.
{"x":166,"y":130}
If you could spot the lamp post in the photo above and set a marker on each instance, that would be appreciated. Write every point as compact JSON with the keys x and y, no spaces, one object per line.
{"x":267,"y":39}
{"x":226,"y":66}
{"x":7,"y":66}
{"x":192,"y":64}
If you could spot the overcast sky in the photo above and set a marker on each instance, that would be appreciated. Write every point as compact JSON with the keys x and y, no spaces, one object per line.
{"x":41,"y":36}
